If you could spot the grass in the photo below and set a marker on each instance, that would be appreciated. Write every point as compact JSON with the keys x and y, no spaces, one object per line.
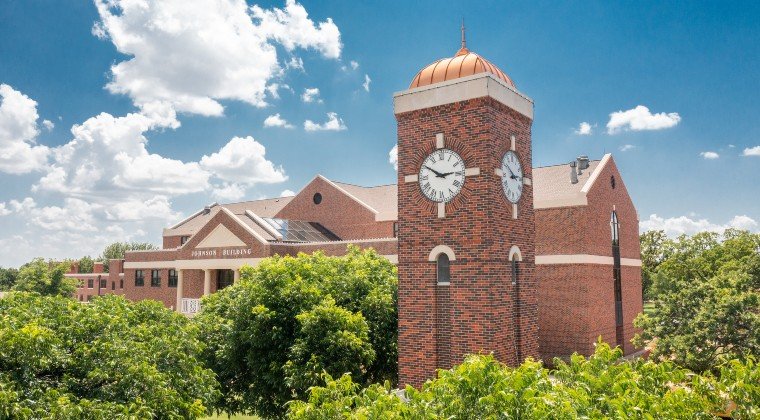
{"x":649,"y":308}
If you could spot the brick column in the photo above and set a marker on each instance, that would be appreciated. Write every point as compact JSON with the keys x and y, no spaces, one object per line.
{"x":236,"y":276}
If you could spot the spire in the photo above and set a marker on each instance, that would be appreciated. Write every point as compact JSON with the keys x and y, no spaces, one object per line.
{"x":463,"y":50}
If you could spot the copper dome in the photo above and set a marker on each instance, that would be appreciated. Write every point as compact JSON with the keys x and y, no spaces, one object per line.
{"x":464,"y":63}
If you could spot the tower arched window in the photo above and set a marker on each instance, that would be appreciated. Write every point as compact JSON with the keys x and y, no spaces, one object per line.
{"x":615,"y":226}
{"x":443,"y":268}
{"x":617,"y":277}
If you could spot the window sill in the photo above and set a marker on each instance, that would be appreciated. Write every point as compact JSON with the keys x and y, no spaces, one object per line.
{"x":443,"y":283}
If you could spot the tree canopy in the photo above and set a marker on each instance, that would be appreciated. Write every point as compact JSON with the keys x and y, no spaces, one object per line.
{"x":290,"y":319}
{"x":706,"y":290}
{"x":45,"y":278}
{"x":8,"y":278}
{"x":86,"y":264}
{"x":600,"y":386}
{"x":116,"y":251}
{"x":108,"y":359}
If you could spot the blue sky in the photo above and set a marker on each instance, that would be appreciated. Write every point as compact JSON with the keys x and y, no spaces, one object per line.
{"x":117,"y":122}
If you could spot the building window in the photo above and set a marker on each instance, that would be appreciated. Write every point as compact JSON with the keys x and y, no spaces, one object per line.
{"x":395,"y":229}
{"x":113,"y":285}
{"x":103,"y":284}
{"x":317,"y":198}
{"x":155,"y":278}
{"x":90,"y":283}
{"x":612,"y":181}
{"x":443,"y":269}
{"x":121,"y":284}
{"x":224,"y":278}
{"x":515,"y":272}
{"x":172,"y":278}
{"x":183,"y":240}
{"x":139,"y":279}
{"x":617,"y":277}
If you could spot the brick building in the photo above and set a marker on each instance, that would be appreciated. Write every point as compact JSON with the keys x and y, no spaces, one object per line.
{"x":494,"y":254}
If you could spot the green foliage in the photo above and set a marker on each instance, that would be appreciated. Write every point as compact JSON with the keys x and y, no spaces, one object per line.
{"x":655,"y":248}
{"x":86,"y":264}
{"x":707,"y":308}
{"x":600,"y":386}
{"x":104,"y":360}
{"x":272,"y":335}
{"x":116,"y":250}
{"x":8,"y":278}
{"x":38,"y":276}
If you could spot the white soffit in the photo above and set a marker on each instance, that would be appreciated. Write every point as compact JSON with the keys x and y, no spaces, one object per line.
{"x":220,"y":237}
{"x":462,"y":89}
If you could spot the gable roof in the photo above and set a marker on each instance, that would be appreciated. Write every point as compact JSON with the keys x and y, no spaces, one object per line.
{"x":552,"y":186}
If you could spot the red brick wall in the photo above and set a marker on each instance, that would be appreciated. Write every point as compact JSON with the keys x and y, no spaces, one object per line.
{"x":479,"y":313}
{"x":576,"y":302}
{"x":171,"y":242}
{"x":337,"y":212}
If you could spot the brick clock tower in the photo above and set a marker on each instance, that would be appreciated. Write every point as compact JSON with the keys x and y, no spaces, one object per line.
{"x":466,"y":230}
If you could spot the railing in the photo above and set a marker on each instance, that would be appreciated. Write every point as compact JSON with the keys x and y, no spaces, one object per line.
{"x":191,"y":306}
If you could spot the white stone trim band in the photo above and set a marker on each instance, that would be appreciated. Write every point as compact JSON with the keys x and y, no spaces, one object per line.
{"x":584,"y":259}
{"x":210,"y":264}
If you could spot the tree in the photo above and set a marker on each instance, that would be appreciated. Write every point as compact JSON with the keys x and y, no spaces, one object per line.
{"x":601,"y":386}
{"x":707,"y":308}
{"x":116,"y":251}
{"x":86,"y":264}
{"x":655,"y":248}
{"x":38,"y":276}
{"x":290,"y":319}
{"x":8,"y":278}
{"x":109,"y":359}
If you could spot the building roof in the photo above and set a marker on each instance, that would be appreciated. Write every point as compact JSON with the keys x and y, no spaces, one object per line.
{"x":552,"y":187}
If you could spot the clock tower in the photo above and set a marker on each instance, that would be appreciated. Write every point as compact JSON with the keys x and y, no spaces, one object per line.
{"x":466,"y":233}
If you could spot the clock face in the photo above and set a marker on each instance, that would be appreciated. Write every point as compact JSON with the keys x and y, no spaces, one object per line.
{"x":511,"y":176}
{"x":442,"y":175}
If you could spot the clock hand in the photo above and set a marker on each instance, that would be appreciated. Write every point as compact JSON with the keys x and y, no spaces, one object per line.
{"x":437,"y":174}
{"x":513,"y":176}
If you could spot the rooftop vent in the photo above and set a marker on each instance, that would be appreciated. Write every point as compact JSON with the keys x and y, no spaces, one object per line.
{"x":582,"y":164}
{"x":573,"y":174}
{"x":207,"y":210}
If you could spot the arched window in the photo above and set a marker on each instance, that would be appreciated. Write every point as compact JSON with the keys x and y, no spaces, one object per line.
{"x":515,"y":256}
{"x":443,"y":268}
{"x":617,"y":277}
{"x":615,"y":228}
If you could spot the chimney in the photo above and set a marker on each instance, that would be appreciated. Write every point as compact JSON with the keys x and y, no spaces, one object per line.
{"x":98,"y":268}
{"x":573,"y":175}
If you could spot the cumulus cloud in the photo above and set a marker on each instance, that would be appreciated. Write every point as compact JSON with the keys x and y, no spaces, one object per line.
{"x":393,"y":157}
{"x":243,"y":160}
{"x":584,"y":129}
{"x":366,"y":83}
{"x":4,"y":211}
{"x":49,"y":125}
{"x":276,"y":121}
{"x":76,"y":214}
{"x":311,"y":95}
{"x":751,"y":151}
{"x":627,"y":147}
{"x":190,"y":54}
{"x":333,"y":123}
{"x":675,"y":226}
{"x":639,"y":119}
{"x":295,"y":63}
{"x":287,"y":193}
{"x":19,"y":153}
{"x":228,"y":192}
{"x":709,"y":155}
{"x":158,"y":207}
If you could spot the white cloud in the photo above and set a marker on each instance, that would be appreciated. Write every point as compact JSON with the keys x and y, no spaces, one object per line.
{"x":24,"y":205}
{"x":627,"y":147}
{"x":49,"y":125}
{"x":333,"y":123}
{"x":640,"y":118}
{"x":76,"y":214}
{"x":190,"y":54}
{"x":366,"y":83}
{"x":709,"y":155}
{"x":3,"y":210}
{"x":19,"y":153}
{"x":276,"y":121}
{"x":158,"y":207}
{"x":311,"y":95}
{"x":584,"y":129}
{"x":243,"y":160}
{"x":731,"y":146}
{"x":287,"y":193}
{"x":354,"y":65}
{"x":393,"y":157}
{"x":228,"y":192}
{"x":751,"y":151}
{"x":675,"y":226}
{"x":295,"y":63}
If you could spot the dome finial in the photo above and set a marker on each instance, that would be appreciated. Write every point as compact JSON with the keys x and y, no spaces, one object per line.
{"x":464,"y":49}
